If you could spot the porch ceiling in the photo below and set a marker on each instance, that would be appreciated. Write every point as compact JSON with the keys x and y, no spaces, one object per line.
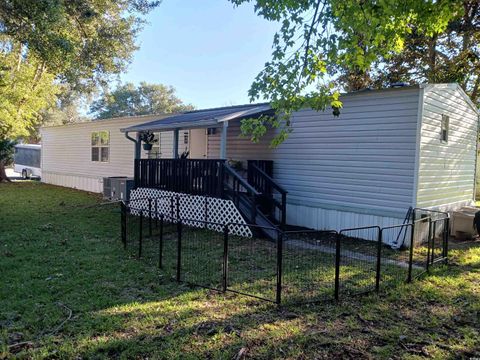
{"x":203,"y":118}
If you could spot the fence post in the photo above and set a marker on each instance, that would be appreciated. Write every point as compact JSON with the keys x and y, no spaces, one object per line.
{"x":429,"y":243}
{"x":140,"y":235}
{"x":150,"y":217}
{"x":278,"y":299}
{"x":434,"y":231}
{"x":123,"y":217}
{"x":337,"y":266}
{"x":126,"y":227}
{"x":156,"y":212}
{"x":225,"y":259}
{"x":410,"y":255}
{"x":179,"y":249}
{"x":446,"y":238}
{"x":160,"y":244}
{"x":171,"y":208}
{"x":379,"y":260}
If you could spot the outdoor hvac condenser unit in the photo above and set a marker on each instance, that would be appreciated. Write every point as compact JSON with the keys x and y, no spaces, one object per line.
{"x":117,"y":187}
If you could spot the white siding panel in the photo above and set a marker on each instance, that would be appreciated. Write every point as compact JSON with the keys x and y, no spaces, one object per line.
{"x":360,"y":162}
{"x":446,"y":170}
{"x":86,"y":183}
{"x":328,"y":219}
{"x":66,"y":153}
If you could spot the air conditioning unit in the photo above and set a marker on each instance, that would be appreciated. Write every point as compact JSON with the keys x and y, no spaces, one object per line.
{"x":111,"y":187}
{"x":121,"y":188}
{"x":107,"y":188}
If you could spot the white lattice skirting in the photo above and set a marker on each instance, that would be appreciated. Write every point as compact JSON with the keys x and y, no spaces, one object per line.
{"x":194,"y":210}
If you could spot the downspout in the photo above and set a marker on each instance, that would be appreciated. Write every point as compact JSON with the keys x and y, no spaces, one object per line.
{"x":138,"y":155}
{"x":137,"y":145}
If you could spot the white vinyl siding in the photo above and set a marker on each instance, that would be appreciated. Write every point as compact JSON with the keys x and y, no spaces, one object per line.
{"x":362,"y":161}
{"x":446,"y":169}
{"x":66,"y":153}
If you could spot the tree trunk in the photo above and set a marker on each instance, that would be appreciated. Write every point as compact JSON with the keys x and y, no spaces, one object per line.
{"x":3,"y":174}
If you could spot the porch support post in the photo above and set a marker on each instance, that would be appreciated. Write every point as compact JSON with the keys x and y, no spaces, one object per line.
{"x":175,"y":144}
{"x":223,"y":141}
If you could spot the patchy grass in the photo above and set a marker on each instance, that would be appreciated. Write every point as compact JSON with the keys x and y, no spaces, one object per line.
{"x":69,"y":290}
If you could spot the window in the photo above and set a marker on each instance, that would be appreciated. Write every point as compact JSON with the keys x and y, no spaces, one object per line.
{"x":444,"y":130}
{"x":100,"y":146}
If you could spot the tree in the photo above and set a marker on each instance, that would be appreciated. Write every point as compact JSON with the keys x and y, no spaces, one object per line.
{"x":452,"y":55}
{"x":321,"y":40}
{"x":66,"y":109}
{"x":128,"y":100}
{"x":46,"y":44}
{"x":6,"y":157}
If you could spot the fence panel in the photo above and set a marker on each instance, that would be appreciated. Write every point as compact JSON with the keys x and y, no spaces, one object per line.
{"x":358,"y":260}
{"x":438,"y":241}
{"x":296,"y":267}
{"x":395,"y":262}
{"x":167,"y":251}
{"x":308,"y":266}
{"x":253,"y":262}
{"x":202,"y":254}
{"x":132,"y":230}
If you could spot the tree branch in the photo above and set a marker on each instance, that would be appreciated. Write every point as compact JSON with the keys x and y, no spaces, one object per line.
{"x":310,"y":32}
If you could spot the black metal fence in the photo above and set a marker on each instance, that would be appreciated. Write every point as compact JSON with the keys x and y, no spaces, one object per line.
{"x":297,"y":266}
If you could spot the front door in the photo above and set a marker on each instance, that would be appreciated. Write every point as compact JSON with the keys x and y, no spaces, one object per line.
{"x":198,"y":144}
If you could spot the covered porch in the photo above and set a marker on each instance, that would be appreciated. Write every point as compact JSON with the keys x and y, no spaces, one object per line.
{"x":249,"y":185}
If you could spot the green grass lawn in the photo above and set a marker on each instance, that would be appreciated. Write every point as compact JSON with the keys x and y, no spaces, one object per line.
{"x":69,"y":290}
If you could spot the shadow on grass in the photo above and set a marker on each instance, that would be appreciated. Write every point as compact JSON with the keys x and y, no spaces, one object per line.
{"x":125,"y":308}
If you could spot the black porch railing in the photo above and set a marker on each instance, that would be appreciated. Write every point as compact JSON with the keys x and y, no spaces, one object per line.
{"x":259,"y":198}
{"x":190,"y":176}
{"x":273,"y":198}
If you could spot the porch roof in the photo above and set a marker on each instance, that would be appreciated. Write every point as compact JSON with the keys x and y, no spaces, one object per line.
{"x":203,"y":118}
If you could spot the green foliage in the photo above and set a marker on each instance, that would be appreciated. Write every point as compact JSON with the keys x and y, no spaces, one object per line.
{"x":25,"y":89}
{"x":46,"y":44}
{"x":66,"y":109}
{"x":451,"y":55}
{"x":148,"y":137}
{"x":319,"y":40}
{"x":128,"y":100}
{"x":7,"y":148}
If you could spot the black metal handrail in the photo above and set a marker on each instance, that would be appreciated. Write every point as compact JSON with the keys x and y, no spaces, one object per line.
{"x":239,"y":190}
{"x":266,"y":183}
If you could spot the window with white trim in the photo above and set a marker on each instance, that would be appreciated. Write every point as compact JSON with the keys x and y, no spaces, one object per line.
{"x":100,"y":146}
{"x":445,"y":128}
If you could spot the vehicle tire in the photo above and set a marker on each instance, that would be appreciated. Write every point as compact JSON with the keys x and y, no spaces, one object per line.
{"x":25,"y":174}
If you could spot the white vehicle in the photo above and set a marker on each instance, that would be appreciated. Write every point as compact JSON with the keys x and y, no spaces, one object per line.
{"x":27,"y":160}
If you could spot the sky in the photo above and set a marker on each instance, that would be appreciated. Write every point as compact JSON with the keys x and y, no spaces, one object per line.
{"x":209,"y":50}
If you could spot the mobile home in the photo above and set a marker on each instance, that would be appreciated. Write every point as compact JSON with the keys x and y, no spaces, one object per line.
{"x":389,"y":150}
